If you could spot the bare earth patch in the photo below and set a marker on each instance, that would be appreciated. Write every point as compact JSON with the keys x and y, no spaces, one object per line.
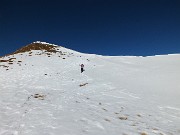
{"x":36,"y":46}
{"x":39,"y":96}
{"x":83,"y":84}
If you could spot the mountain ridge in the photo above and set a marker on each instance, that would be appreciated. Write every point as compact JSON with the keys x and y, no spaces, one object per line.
{"x":49,"y":47}
{"x":45,"y":93}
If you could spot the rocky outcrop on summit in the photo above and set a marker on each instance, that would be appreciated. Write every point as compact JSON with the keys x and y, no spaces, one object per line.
{"x":37,"y":46}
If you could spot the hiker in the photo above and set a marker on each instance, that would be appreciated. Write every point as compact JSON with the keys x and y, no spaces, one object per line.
{"x":82,"y":67}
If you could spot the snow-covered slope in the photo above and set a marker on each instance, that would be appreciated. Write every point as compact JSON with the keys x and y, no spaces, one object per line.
{"x":42,"y":92}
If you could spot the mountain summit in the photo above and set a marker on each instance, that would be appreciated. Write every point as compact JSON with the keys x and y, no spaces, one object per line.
{"x":43,"y":92}
{"x":35,"y":49}
{"x":38,"y":46}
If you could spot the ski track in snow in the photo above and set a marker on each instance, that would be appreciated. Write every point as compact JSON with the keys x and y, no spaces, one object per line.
{"x":114,"y":98}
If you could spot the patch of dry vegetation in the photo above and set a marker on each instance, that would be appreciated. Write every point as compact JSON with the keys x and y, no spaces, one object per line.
{"x":36,"y":46}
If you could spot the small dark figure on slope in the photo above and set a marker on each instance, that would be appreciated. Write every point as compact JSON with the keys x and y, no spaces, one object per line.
{"x":82,"y":67}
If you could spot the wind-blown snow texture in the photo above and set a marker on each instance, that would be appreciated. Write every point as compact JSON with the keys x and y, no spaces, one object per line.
{"x":45,"y":94}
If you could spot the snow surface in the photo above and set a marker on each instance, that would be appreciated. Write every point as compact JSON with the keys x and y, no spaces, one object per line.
{"x":44,"y":43}
{"x":114,"y":96}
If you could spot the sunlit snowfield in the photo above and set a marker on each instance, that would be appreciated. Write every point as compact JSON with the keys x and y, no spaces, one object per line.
{"x":44,"y":93}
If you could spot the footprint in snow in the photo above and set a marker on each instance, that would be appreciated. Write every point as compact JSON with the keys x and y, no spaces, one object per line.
{"x":139,"y":115}
{"x":107,"y":120}
{"x":123,"y":117}
{"x":77,"y":102}
{"x":104,"y":109}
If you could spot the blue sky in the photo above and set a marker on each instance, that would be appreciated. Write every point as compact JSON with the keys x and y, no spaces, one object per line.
{"x":106,"y":27}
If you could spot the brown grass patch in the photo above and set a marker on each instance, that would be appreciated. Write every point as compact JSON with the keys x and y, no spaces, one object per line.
{"x":35,"y":46}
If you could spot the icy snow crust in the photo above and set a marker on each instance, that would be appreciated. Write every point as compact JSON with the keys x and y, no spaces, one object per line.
{"x":44,"y":43}
{"x":44,"y":94}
